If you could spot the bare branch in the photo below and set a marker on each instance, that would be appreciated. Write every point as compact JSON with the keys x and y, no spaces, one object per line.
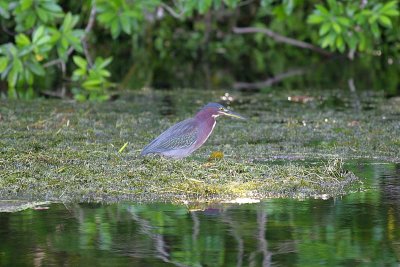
{"x":281,"y":39}
{"x":171,"y":11}
{"x":270,"y":81}
{"x":88,"y":29}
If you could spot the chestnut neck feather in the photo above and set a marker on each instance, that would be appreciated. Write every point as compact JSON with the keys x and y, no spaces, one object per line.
{"x":206,"y":122}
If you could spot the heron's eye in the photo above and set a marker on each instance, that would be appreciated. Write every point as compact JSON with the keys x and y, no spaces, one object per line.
{"x":221,"y":108}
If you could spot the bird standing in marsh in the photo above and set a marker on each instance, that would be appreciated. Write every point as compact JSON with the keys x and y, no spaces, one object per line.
{"x":181,"y":139}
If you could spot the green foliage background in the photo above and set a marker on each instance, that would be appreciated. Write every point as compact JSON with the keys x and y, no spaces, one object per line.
{"x":46,"y":44}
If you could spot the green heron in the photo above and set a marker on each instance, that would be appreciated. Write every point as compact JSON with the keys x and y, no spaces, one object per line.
{"x":181,"y":139}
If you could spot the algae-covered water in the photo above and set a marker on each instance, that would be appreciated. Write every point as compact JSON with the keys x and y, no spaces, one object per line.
{"x":321,"y":169}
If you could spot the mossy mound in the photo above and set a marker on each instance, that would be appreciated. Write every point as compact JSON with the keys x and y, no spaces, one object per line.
{"x":67,"y":151}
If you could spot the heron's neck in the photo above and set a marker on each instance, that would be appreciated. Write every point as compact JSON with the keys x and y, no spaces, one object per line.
{"x":206,"y":126}
{"x":205,"y":117}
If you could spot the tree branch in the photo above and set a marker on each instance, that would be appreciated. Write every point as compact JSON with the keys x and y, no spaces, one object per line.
{"x":270,"y":81}
{"x":88,"y":29}
{"x":282,"y":39}
{"x":171,"y":11}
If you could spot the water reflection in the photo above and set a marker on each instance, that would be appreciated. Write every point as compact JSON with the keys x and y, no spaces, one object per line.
{"x":361,"y":228}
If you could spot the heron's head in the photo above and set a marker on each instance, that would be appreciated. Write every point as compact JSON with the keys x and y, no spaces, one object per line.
{"x":215,"y":110}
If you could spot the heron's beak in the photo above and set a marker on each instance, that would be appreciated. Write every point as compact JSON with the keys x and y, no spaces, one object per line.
{"x":232,"y":114}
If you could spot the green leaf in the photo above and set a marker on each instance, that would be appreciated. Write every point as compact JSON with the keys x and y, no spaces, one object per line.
{"x":315,"y":19}
{"x":80,"y":97}
{"x":52,"y":7}
{"x":323,"y":10}
{"x":17,"y":65}
{"x":372,"y":19}
{"x":28,"y":77}
{"x":4,"y":74}
{"x":80,"y":62}
{"x":106,"y":18}
{"x":105,"y":73}
{"x":324,"y":28}
{"x":333,"y":5}
{"x":375,"y":30}
{"x":340,"y":43}
{"x":11,"y":48}
{"x":37,"y":34}
{"x":344,"y":21}
{"x":61,"y":53}
{"x":64,"y":43}
{"x":377,"y":7}
{"x":3,"y":63}
{"x":22,"y":40}
{"x":30,"y":21}
{"x":78,"y":73}
{"x":36,"y":68}
{"x":288,"y":5}
{"x":328,"y":40}
{"x":26,"y":4}
{"x":67,"y":23}
{"x":4,"y":10}
{"x":125,"y":23}
{"x":25,"y":50}
{"x":92,"y":83}
{"x":43,"y":40}
{"x":204,"y":5}
{"x":12,"y":78}
{"x":74,"y":41}
{"x":55,"y":35}
{"x":325,"y":42}
{"x":105,"y":63}
{"x":42,"y":14}
{"x":352,"y":41}
{"x":391,"y":13}
{"x":392,"y":5}
{"x":115,"y":29}
{"x":75,"y":20}
{"x":385,"y":21}
{"x":363,"y":43}
{"x":336,"y":27}
{"x":103,"y":97}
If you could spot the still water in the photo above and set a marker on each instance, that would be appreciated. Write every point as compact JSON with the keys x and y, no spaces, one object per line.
{"x":359,"y":229}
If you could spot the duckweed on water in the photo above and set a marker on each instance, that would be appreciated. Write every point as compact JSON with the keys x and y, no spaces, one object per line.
{"x":65,"y":151}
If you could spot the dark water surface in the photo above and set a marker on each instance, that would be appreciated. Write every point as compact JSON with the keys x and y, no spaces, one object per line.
{"x":360,"y":229}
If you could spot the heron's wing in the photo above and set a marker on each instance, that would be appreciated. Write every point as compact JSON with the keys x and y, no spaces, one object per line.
{"x":179,"y":136}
